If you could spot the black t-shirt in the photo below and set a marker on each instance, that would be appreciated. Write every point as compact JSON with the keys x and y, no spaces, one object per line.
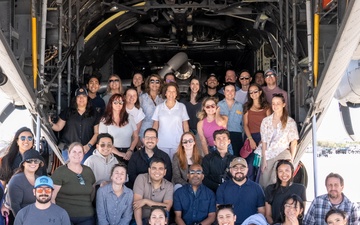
{"x":78,"y":128}
{"x":99,"y":104}
{"x":192,"y":111}
{"x":276,"y":199}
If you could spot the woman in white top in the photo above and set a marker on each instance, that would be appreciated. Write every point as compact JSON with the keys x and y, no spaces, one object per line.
{"x":133,"y":107}
{"x":114,"y":87}
{"x":117,"y":122}
{"x":278,"y":132}
{"x":170,"y":119}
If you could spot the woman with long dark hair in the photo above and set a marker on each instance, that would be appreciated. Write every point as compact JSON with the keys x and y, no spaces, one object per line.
{"x":21,"y":185}
{"x":117,"y":122}
{"x":292,"y":211}
{"x":255,"y":110}
{"x":78,"y":123}
{"x":23,"y":141}
{"x":278,"y":132}
{"x":186,"y":155}
{"x":276,"y":193}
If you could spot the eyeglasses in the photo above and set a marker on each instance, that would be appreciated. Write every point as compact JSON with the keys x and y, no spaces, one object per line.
{"x":152,"y":81}
{"x":149,"y":138}
{"x":169,"y":80}
{"x":290,"y":206}
{"x":47,"y":190}
{"x":244,"y":78}
{"x":105,"y":145}
{"x":242,"y":168}
{"x":36,"y":161}
{"x":116,"y":80}
{"x":23,"y":138}
{"x":188,"y":141}
{"x":81,"y":179}
{"x":253,"y":92}
{"x":269,"y":75}
{"x":225,"y":206}
{"x":198,"y":172}
{"x":210,"y":106}
{"x":118,"y":102}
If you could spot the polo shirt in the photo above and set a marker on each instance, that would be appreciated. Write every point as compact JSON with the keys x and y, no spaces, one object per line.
{"x":246,"y":198}
{"x":144,"y":188}
{"x":195,"y":206}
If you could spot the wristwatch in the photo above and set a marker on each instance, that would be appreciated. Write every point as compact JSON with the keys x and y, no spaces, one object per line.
{"x":90,"y":145}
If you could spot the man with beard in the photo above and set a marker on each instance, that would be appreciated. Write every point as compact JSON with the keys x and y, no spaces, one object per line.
{"x":42,"y":211}
{"x":333,"y":199}
{"x":246,"y":196}
{"x":211,"y":85}
{"x":194,"y":203}
{"x":140,"y":160}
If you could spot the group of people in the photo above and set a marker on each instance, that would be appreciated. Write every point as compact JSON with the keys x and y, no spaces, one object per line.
{"x":144,"y":151}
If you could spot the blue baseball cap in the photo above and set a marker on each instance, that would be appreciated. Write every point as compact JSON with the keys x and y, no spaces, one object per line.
{"x":44,"y":181}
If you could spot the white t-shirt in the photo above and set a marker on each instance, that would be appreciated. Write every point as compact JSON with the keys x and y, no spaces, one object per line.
{"x":122,"y":135}
{"x":170,"y":124}
{"x":136,"y":113}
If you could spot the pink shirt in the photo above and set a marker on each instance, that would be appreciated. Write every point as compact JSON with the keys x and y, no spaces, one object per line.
{"x":208,"y":129}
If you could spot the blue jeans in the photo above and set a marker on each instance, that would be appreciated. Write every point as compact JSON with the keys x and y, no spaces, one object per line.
{"x":250,"y":159}
{"x":88,"y":220}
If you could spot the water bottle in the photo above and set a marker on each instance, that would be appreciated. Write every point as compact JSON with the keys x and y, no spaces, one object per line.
{"x":257,"y":160}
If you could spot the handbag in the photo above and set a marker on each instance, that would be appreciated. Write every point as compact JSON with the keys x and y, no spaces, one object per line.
{"x":246,"y":150}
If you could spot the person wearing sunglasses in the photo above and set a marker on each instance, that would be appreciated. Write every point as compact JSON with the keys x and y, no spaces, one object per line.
{"x":255,"y":110}
{"x":149,"y":100}
{"x":102,"y":160}
{"x":114,"y":87}
{"x":187,"y":154}
{"x":244,"y":79}
{"x":74,"y":187}
{"x":246,"y":196}
{"x":42,"y":211}
{"x":279,"y":136}
{"x":114,"y":200}
{"x":77,"y":123}
{"x":210,"y":120}
{"x":117,"y":122}
{"x":20,"y":193}
{"x":170,"y":119}
{"x":272,"y":86}
{"x":194,"y":203}
{"x":276,"y":193}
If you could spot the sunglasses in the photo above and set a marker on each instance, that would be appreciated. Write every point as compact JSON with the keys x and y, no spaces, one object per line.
{"x":36,"y":161}
{"x":105,"y":145}
{"x":116,"y":80}
{"x":253,"y":92}
{"x":244,"y":78}
{"x":154,"y":81}
{"x":118,"y":102}
{"x":47,"y":190}
{"x":169,"y":80}
{"x":210,"y":106}
{"x":81,"y":179}
{"x":269,"y":75}
{"x":188,"y":141}
{"x":198,"y":172}
{"x":23,"y":138}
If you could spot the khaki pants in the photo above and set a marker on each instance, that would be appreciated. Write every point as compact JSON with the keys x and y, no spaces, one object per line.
{"x":268,"y":176}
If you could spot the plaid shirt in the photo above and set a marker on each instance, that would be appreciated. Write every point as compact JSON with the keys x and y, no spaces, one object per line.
{"x":321,"y":205}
